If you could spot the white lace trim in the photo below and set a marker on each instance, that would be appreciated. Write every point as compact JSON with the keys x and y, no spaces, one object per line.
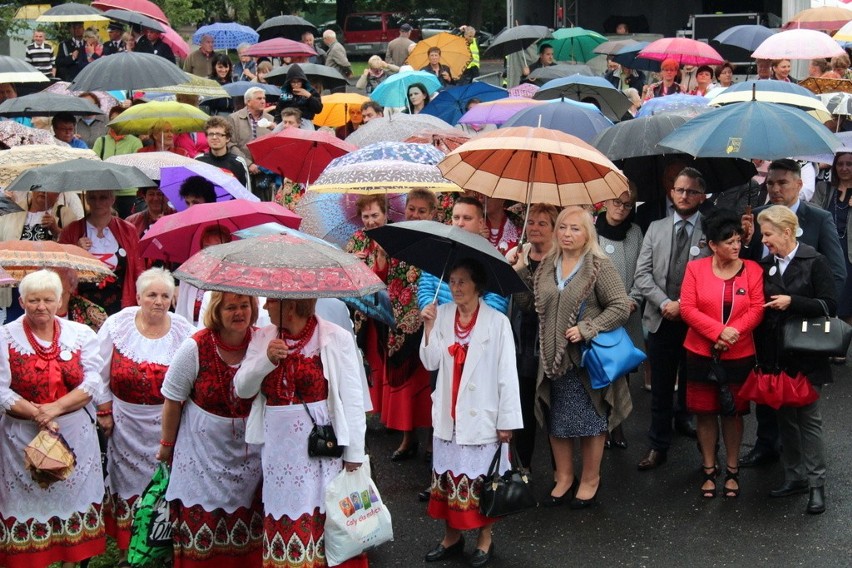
{"x":140,"y":349}
{"x":15,"y":336}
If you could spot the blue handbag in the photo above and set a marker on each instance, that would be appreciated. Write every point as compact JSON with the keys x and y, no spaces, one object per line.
{"x":608,"y":356}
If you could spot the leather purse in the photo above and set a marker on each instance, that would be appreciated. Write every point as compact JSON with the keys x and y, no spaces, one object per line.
{"x":322,"y":442}
{"x":609,"y":356}
{"x":508,"y":493}
{"x":823,"y":335}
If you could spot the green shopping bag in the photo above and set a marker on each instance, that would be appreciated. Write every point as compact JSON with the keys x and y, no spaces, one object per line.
{"x":151,"y":532}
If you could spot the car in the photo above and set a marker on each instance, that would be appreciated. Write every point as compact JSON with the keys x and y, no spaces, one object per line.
{"x":434,"y":26}
{"x":368,"y":33}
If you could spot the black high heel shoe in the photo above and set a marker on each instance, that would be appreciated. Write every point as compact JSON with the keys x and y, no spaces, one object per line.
{"x":406,"y":454}
{"x":553,"y":501}
{"x":731,"y":475}
{"x":577,"y":504}
{"x":710,"y":473}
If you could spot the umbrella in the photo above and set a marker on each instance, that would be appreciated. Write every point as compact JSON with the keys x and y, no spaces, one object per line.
{"x":612,"y":102}
{"x":135,"y":18}
{"x":774,"y":92}
{"x":334,"y":217}
{"x":512,"y":40}
{"x":434,"y":248}
{"x":128,"y":71}
{"x":683,"y":50}
{"x":403,"y":151}
{"x":19,"y":258}
{"x":527,"y":90}
{"x":612,"y":47}
{"x":19,"y":159}
{"x":226,"y":186}
{"x":542,"y":75}
{"x":176,"y":237}
{"x":16,"y":134}
{"x":79,"y":175}
{"x":194,"y":85}
{"x":335,"y":108}
{"x":47,"y":104}
{"x":14,"y":70}
{"x":819,"y":85}
{"x":8,"y":206}
{"x":150,"y":163}
{"x":455,"y":53}
{"x":798,"y":44}
{"x":226,"y":35}
{"x":6,"y":280}
{"x":280,"y":47}
{"x":144,"y":7}
{"x":328,"y":77}
{"x":444,"y":140}
{"x":451,"y":104}
{"x":837,"y":103}
{"x":534,"y":165}
{"x":393,"y":91}
{"x":71,"y":12}
{"x":382,"y":176}
{"x":239,"y":88}
{"x":679,"y":103}
{"x":844,"y":34}
{"x":174,"y":40}
{"x":748,"y":36}
{"x":845,"y":147}
{"x":821,"y":18}
{"x":752,"y":129}
{"x":566,"y":116}
{"x":628,"y":56}
{"x":107,"y":101}
{"x":575,"y":44}
{"x":139,"y":119}
{"x":290,"y":27}
{"x":299,"y":155}
{"x":279,"y":266}
{"x":499,"y":111}
{"x":394,"y":128}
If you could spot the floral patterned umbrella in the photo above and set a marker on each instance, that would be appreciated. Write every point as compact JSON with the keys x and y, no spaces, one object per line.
{"x":334,"y":217}
{"x":19,"y":258}
{"x":444,"y":140}
{"x":279,"y":266}
{"x":403,"y":151}
{"x":382,"y":176}
{"x":19,"y":159}
{"x":16,"y":134}
{"x":526,"y":90}
{"x":150,"y":163}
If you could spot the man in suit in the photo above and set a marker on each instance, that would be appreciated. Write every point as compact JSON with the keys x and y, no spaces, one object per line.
{"x":817,"y":229}
{"x":71,"y":57}
{"x":152,"y":42}
{"x":668,"y":245}
{"x":115,"y":43}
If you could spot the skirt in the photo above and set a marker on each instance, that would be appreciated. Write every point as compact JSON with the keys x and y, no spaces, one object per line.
{"x":702,"y":396}
{"x":572,"y":414}
{"x":408,"y":405}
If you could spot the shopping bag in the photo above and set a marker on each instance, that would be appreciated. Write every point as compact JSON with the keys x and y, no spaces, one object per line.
{"x":356,"y":518}
{"x":151,"y":532}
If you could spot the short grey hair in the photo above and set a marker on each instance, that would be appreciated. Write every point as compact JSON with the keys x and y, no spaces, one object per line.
{"x":329,"y":34}
{"x":250,"y":93}
{"x":152,"y":276}
{"x":40,"y":281}
{"x":207,"y":36}
{"x":243,"y":46}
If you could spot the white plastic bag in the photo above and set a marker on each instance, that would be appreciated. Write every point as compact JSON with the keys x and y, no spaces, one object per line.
{"x":356,"y":518}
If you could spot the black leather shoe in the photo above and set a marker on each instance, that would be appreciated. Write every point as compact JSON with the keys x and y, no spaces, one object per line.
{"x":406,"y":454}
{"x":758,"y":456}
{"x":553,"y":501}
{"x":480,"y":557}
{"x":653,"y":459}
{"x":577,"y":504}
{"x":685,"y":428}
{"x":424,"y":495}
{"x":790,"y":488}
{"x":441,"y":552}
{"x":816,"y":502}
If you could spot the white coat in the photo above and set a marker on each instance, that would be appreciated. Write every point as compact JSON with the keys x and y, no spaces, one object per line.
{"x":488,"y":398}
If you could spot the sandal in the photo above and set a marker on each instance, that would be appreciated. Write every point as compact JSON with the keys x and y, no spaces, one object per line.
{"x":710,"y":473}
{"x":731,"y":475}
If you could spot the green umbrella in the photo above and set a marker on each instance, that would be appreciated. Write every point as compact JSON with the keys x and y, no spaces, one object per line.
{"x":574,"y":44}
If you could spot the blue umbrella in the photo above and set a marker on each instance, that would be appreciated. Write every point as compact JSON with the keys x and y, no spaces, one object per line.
{"x":226,"y":36}
{"x":239,"y":88}
{"x":393,"y":91}
{"x":568,"y":116}
{"x":746,"y":37}
{"x":679,"y":103}
{"x":752,"y":129}
{"x":626,"y":57}
{"x":451,"y":104}
{"x":612,"y":102}
{"x":405,"y":151}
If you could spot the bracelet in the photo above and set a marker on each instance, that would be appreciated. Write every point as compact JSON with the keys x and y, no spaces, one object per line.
{"x":103,"y":413}
{"x":167,"y":444}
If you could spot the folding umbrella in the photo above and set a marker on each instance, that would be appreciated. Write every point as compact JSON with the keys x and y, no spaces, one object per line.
{"x":335,"y":108}
{"x":317,"y":74}
{"x":47,"y":104}
{"x":144,"y":7}
{"x":393,"y":91}
{"x":135,"y":18}
{"x":127,"y":71}
{"x":822,"y":85}
{"x":512,"y":40}
{"x":774,"y":92}
{"x":497,"y":112}
{"x":16,"y":134}
{"x":299,"y":155}
{"x":798,"y":44}
{"x":20,"y":159}
{"x":107,"y":100}
{"x":612,"y":47}
{"x":542,"y":75}
{"x":566,"y":116}
{"x":679,"y":103}
{"x":226,"y":186}
{"x":226,"y":35}
{"x":139,"y":119}
{"x":403,"y":151}
{"x":612,"y":102}
{"x":820,"y":18}
{"x":455,"y":53}
{"x":575,"y":44}
{"x":7,"y":206}
{"x":151,"y":163}
{"x":79,"y":175}
{"x":71,"y":12}
{"x":20,"y":258}
{"x":286,"y":26}
{"x":844,"y":34}
{"x":628,"y":56}
{"x":14,"y":70}
{"x":683,"y":50}
{"x":837,"y":103}
{"x":193,"y":85}
{"x":444,"y":140}
{"x":174,"y":40}
{"x":334,"y":217}
{"x":395,"y":128}
{"x":239,"y":88}
{"x":280,"y":47}
{"x":451,"y":103}
{"x":382,"y":177}
{"x":527,"y":90}
{"x":748,"y":36}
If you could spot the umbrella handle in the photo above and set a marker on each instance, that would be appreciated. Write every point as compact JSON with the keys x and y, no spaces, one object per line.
{"x":441,"y":279}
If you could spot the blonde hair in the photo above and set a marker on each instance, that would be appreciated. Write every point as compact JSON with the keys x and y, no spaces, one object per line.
{"x":212,"y":317}
{"x":781,"y":217}
{"x":152,"y":275}
{"x":587,"y":223}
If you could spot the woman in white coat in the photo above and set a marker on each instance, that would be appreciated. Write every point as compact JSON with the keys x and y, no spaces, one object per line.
{"x":475,"y":406}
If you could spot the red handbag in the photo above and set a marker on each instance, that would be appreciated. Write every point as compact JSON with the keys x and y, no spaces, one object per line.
{"x":778,"y":389}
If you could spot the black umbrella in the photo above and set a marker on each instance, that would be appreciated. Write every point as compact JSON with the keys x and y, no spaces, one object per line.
{"x":47,"y":104}
{"x":128,"y":17}
{"x":80,"y":175}
{"x":435,"y":247}
{"x":128,"y":71}
{"x":542,"y":75}
{"x":14,"y":70}
{"x":515,"y":39}
{"x":71,"y":12}
{"x":290,"y":27}
{"x":323,"y":74}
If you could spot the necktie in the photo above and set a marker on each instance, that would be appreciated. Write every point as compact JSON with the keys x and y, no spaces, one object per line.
{"x":682,"y":236}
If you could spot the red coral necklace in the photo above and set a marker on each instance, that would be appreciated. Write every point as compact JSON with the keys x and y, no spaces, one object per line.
{"x":48,"y":353}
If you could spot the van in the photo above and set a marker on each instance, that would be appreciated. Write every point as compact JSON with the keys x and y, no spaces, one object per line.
{"x":368,"y":33}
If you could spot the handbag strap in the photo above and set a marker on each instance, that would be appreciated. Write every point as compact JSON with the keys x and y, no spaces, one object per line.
{"x":824,"y":307}
{"x":514,"y":460}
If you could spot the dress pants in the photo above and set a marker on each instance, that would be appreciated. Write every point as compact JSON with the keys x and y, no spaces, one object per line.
{"x":803,"y":453}
{"x":525,"y":437}
{"x":667,"y":358}
{"x":767,"y":428}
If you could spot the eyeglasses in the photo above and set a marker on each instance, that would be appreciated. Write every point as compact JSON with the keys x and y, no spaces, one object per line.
{"x":216,"y":135}
{"x":687,"y":192}
{"x":622,"y":204}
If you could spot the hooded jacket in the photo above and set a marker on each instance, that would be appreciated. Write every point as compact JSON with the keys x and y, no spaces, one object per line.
{"x":310,"y":106}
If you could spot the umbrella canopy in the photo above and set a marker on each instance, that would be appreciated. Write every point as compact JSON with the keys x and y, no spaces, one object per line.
{"x":534,"y":165}
{"x":176,"y":42}
{"x":382,"y":176}
{"x":239,"y":88}
{"x":47,"y":104}
{"x":226,"y":35}
{"x":14,"y":70}
{"x":679,"y":103}
{"x":612,"y":102}
{"x":20,"y":159}
{"x":8,"y":206}
{"x":404,"y":151}
{"x":566,"y":116}
{"x":107,"y":101}
{"x":393,"y":91}
{"x":451,"y":104}
{"x":317,"y":75}
{"x":151,"y":163}
{"x":71,"y":12}
{"x":527,"y":90}
{"x":683,"y":50}
{"x":748,"y":36}
{"x":798,"y":44}
{"x":135,"y":18}
{"x":128,"y":71}
{"x":774,"y":92}
{"x":335,"y":108}
{"x":434,"y":247}
{"x":16,"y":134}
{"x":290,"y":27}
{"x":837,"y":103}
{"x":280,"y":266}
{"x":80,"y":175}
{"x":334,"y":217}
{"x":844,"y":34}
{"x":20,"y":258}
{"x":612,"y":47}
{"x":820,"y":18}
{"x":628,"y":56}
{"x":139,"y":119}
{"x":575,"y":44}
{"x":512,"y":40}
{"x":542,"y":75}
{"x":226,"y":186}
{"x":444,"y":140}
{"x":6,"y":280}
{"x":499,"y":111}
{"x":820,"y":85}
{"x":144,"y":7}
{"x":299,"y":155}
{"x":750,"y":130}
{"x":455,"y":53}
{"x":280,"y":47}
{"x":395,"y":128}
{"x":176,"y":237}
{"x":194,"y":85}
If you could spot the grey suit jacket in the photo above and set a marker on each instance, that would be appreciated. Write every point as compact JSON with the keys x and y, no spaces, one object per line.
{"x":652,"y":268}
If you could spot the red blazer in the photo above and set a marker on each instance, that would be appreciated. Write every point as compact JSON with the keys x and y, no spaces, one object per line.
{"x":701,"y":307}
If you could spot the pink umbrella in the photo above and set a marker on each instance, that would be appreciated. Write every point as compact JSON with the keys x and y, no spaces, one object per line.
{"x":144,"y":7}
{"x":683,"y":50}
{"x":16,"y":134}
{"x":280,"y":47}
{"x":107,"y":101}
{"x":798,"y":44}
{"x":299,"y":155}
{"x":497,"y":112}
{"x":177,"y":43}
{"x":527,"y":90}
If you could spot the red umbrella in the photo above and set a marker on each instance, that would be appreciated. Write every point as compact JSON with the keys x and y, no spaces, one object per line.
{"x":444,"y":140}
{"x":778,"y":389}
{"x":683,"y":50}
{"x":280,"y":47}
{"x":299,"y":155}
{"x":176,"y":237}
{"x":179,"y":46}
{"x":144,"y":7}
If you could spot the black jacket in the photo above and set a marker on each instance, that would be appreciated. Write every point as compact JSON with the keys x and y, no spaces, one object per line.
{"x":66,"y":66}
{"x":636,"y":80}
{"x":160,"y":48}
{"x":310,"y":106}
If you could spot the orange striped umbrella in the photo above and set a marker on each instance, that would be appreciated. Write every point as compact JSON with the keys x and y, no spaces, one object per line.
{"x":19,"y":258}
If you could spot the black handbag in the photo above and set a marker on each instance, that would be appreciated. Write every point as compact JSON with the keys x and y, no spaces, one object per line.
{"x":322,"y":442}
{"x":823,"y":335}
{"x":505,"y":494}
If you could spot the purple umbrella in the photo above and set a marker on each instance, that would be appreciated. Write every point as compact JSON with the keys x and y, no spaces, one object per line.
{"x":227,"y":186}
{"x":497,"y":112}
{"x":688,"y":105}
